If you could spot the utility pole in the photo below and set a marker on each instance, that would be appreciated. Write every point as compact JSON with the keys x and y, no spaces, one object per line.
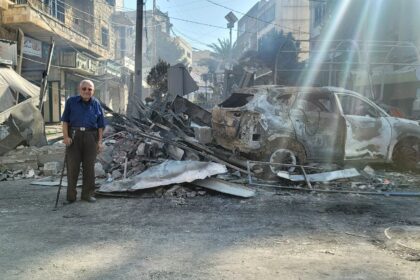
{"x":231,"y":18}
{"x":154,"y":21}
{"x":21,"y":41}
{"x":137,"y":94}
{"x":44,"y":83}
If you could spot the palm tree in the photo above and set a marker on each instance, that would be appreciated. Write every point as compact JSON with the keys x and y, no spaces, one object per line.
{"x":224,"y":50}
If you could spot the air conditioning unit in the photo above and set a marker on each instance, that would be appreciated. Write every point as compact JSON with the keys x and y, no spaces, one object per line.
{"x":82,"y":62}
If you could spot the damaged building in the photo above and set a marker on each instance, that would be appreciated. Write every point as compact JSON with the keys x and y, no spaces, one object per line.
{"x":86,"y":47}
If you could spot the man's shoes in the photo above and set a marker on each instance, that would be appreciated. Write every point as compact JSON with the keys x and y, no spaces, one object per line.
{"x":90,"y":199}
{"x":67,"y":202}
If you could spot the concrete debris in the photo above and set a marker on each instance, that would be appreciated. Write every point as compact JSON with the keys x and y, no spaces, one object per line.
{"x":369,"y":170}
{"x":22,"y":122}
{"x":203,"y":134}
{"x":51,"y":168}
{"x":180,"y":192}
{"x":99,"y":170}
{"x":29,"y":173}
{"x":33,"y":156}
{"x":166,"y":173}
{"x":19,"y":162}
{"x":116,"y":174}
{"x":173,"y":190}
{"x":171,"y":149}
{"x":140,"y":149}
{"x":321,"y":177}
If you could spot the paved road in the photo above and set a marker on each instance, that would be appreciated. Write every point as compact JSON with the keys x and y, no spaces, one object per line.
{"x":287,"y":236}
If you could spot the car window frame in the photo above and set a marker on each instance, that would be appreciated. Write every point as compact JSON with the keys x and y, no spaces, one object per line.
{"x":379,"y":110}
{"x":300,"y":94}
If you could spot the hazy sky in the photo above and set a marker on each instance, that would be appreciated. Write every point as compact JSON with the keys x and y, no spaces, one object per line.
{"x":199,"y":11}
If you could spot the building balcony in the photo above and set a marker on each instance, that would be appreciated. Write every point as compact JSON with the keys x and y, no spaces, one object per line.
{"x":42,"y":22}
{"x":110,"y":69}
{"x":127,"y":63}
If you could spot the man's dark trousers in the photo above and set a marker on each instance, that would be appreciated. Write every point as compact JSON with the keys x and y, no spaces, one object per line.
{"x":82,"y":150}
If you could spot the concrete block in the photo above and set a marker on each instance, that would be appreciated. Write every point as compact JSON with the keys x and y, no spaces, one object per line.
{"x":15,"y":162}
{"x":51,"y":168}
{"x":50,"y":157}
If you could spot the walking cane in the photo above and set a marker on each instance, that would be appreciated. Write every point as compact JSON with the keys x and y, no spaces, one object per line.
{"x":61,"y":180}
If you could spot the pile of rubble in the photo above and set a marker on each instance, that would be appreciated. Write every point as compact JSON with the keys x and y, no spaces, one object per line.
{"x":170,"y":153}
{"x":32,"y":162}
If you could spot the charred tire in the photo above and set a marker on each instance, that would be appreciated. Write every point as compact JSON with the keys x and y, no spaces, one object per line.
{"x":285,"y":151}
{"x":405,"y":155}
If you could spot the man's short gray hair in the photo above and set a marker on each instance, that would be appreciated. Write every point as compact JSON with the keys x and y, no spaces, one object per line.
{"x":86,"y":82}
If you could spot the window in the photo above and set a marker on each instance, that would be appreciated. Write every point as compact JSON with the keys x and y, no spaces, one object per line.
{"x":105,"y":37}
{"x":283,"y":100}
{"x":355,"y":106}
{"x":319,"y":14}
{"x":319,"y":102}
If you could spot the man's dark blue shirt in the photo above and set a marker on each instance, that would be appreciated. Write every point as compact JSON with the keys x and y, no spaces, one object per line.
{"x":78,"y":113}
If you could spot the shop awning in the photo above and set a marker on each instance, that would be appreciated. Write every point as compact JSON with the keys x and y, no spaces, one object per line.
{"x":14,"y":89}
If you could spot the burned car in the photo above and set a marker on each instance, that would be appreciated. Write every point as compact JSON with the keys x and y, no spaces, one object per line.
{"x":297,"y":125}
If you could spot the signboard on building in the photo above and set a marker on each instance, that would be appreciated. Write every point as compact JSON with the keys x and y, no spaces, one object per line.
{"x":8,"y":52}
{"x":32,"y":47}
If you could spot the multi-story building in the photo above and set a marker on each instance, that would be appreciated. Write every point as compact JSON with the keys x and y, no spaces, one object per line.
{"x":288,"y":16}
{"x":369,"y":46}
{"x":158,"y":42}
{"x":186,"y":50}
{"x":85,"y":39}
{"x":248,"y":29}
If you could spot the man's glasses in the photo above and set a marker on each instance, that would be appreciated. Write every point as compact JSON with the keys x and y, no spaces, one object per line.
{"x":85,"y":88}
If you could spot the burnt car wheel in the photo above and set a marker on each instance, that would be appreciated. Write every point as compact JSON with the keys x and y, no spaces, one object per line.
{"x":284,"y":156}
{"x":284,"y":151}
{"x":405,"y":155}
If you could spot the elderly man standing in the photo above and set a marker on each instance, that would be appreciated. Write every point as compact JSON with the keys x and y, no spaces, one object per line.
{"x":83,"y":124}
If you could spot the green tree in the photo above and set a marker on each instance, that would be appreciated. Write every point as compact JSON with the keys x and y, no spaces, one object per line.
{"x":157,"y":79}
{"x":224,"y":51}
{"x":221,"y":50}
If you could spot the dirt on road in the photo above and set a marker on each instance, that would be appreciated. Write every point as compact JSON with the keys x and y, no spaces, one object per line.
{"x":276,"y":235}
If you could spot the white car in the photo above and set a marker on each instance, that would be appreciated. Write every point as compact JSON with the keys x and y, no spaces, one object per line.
{"x":297,"y":125}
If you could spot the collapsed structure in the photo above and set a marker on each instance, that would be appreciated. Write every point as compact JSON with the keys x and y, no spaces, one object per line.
{"x":266,"y":132}
{"x":21,"y":122}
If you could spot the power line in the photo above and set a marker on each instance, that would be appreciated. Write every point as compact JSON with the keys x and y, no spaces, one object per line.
{"x":63,"y":4}
{"x":190,"y":38}
{"x":256,"y":18}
